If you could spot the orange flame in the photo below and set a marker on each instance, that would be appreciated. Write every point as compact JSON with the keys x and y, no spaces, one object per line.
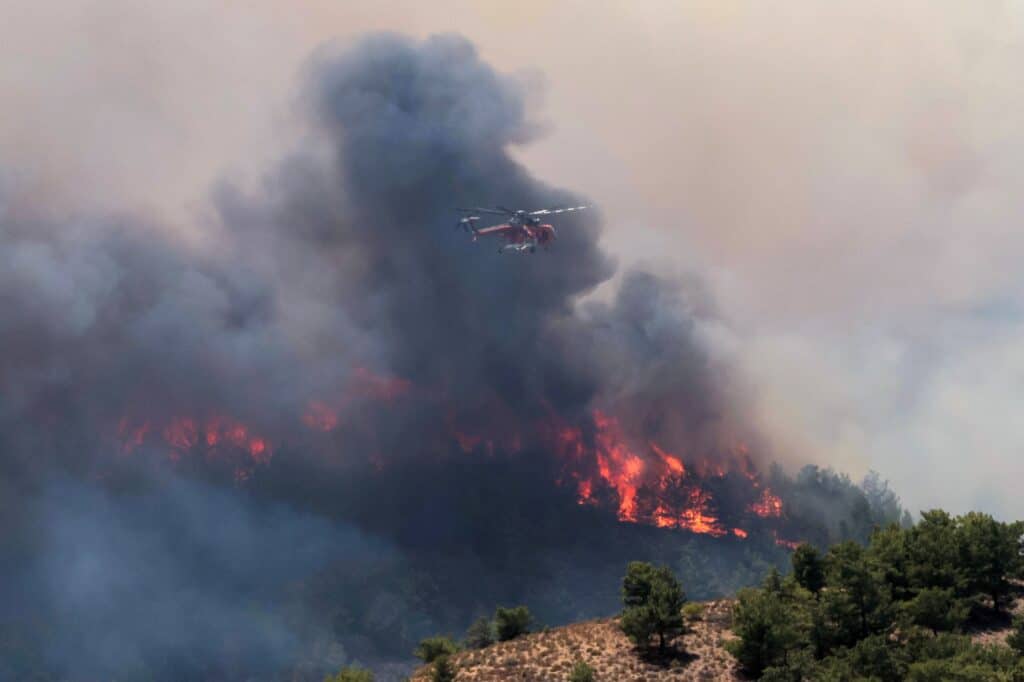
{"x":185,"y":435}
{"x":619,"y":467}
{"x":363,"y":385}
{"x":655,"y":486}
{"x":769,"y":506}
{"x":674,"y":464}
{"x":642,"y":480}
{"x":633,"y":477}
{"x":782,"y":542}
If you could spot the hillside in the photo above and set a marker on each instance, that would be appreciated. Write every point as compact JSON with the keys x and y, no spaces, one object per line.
{"x":698,"y":655}
{"x":549,"y":656}
{"x":940,"y":600}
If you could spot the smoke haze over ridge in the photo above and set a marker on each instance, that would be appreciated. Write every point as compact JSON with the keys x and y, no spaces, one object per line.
{"x":169,"y":500}
{"x":843,"y":177}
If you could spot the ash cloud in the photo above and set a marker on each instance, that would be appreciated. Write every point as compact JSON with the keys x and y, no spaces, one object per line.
{"x":344,"y":258}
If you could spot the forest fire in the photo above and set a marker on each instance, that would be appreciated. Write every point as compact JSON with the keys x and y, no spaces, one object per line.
{"x":769,"y":506}
{"x":652,"y":486}
{"x":316,"y":424}
{"x":638,"y":479}
{"x":215,"y":437}
{"x":363,"y":385}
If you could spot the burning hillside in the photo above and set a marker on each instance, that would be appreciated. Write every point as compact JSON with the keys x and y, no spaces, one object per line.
{"x":635,"y":478}
{"x":339,"y":427}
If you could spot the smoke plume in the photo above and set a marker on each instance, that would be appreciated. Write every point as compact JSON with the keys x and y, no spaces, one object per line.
{"x":335,"y":425}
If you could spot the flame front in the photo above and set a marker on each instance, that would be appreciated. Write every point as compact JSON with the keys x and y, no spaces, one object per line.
{"x":653,"y":486}
{"x":216,"y":438}
{"x":643,"y":481}
{"x":769,"y":506}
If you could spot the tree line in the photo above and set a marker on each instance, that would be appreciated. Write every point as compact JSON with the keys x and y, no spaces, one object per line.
{"x":895,"y":609}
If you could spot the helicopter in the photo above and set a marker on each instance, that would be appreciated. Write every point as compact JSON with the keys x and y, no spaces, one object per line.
{"x":522,"y":232}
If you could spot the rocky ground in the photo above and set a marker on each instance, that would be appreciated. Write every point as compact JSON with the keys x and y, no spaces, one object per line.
{"x":995,"y":629}
{"x":549,"y":656}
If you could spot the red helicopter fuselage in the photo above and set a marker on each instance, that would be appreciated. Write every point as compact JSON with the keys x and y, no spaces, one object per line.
{"x":520,"y":236}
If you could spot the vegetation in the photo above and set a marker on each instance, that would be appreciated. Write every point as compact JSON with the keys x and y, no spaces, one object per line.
{"x":808,"y":568}
{"x":890,"y":610}
{"x":1016,"y":638}
{"x":511,"y":623}
{"x":443,"y":670}
{"x":480,"y":634}
{"x":438,"y":591}
{"x":432,"y":648}
{"x":693,"y":611}
{"x":581,"y":672}
{"x":351,"y":675}
{"x":653,"y":601}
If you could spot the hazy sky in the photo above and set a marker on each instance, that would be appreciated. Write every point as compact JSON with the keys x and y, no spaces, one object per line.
{"x":845,"y":176}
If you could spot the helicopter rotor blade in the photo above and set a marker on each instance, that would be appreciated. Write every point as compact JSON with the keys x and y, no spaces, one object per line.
{"x":482,"y":210}
{"x":552,"y":211}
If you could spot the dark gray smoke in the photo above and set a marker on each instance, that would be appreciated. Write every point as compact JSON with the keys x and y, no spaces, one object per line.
{"x":340,"y":282}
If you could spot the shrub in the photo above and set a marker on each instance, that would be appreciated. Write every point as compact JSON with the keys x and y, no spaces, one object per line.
{"x":1016,"y":638}
{"x":510,"y":623}
{"x":480,"y":634}
{"x":443,"y":671}
{"x":351,"y":675}
{"x":693,"y":611}
{"x":581,"y":672}
{"x":433,"y":647}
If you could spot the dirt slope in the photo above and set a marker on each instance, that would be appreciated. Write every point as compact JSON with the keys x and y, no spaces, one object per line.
{"x":549,"y":656}
{"x":995,"y":629}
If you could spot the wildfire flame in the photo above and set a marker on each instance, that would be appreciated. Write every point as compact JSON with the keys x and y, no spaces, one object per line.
{"x":653,"y":486}
{"x":215,"y":437}
{"x":363,"y":385}
{"x":640,"y":479}
{"x":782,"y":542}
{"x":769,"y":506}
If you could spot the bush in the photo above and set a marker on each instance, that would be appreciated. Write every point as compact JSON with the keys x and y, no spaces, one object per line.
{"x":581,"y":672}
{"x":1016,"y":638}
{"x":480,"y":634}
{"x":443,"y":671}
{"x":433,"y":647}
{"x":937,"y":609}
{"x":693,"y":611}
{"x":351,"y":675}
{"x":510,"y":623}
